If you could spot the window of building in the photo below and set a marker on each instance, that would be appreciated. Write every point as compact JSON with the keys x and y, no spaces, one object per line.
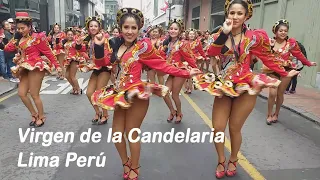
{"x":195,"y":18}
{"x":217,"y":13}
{"x":217,"y":6}
{"x":256,"y":1}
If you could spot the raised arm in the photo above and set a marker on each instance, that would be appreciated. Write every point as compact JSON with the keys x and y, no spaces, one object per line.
{"x":296,"y":52}
{"x":262,"y":50}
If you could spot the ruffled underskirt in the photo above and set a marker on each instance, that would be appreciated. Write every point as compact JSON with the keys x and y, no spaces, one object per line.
{"x":41,"y":65}
{"x":217,"y":86}
{"x":108,"y":98}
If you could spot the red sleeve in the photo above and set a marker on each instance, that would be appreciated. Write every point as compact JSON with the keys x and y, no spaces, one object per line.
{"x":219,"y":40}
{"x":44,"y":48}
{"x":187,"y":54}
{"x":200,"y":49}
{"x":149,"y":56}
{"x":262,"y":50}
{"x":11,"y":46}
{"x":296,"y":52}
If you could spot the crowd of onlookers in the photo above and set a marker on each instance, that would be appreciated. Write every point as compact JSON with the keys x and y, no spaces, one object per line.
{"x":7,"y":31}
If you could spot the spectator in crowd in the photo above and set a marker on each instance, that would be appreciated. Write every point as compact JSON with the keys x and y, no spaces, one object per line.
{"x":3,"y":66}
{"x":294,"y":80}
{"x":9,"y":30}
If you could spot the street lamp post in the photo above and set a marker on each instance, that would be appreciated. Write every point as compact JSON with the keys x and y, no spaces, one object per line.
{"x":170,"y":3}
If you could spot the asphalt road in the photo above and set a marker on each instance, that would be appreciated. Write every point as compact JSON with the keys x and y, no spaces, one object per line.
{"x":288,"y":150}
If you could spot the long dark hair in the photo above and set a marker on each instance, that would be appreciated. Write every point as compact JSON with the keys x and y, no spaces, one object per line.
{"x":116,"y":42}
{"x":169,"y":39}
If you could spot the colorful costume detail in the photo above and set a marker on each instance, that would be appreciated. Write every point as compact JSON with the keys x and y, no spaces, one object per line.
{"x":290,"y":48}
{"x":99,"y":56}
{"x":129,"y":83}
{"x":236,"y":76}
{"x":56,"y":43}
{"x":179,"y":54}
{"x":197,"y":49}
{"x":72,"y":54}
{"x":30,"y":54}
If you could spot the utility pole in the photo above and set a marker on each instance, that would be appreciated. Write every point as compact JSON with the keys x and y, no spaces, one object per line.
{"x":170,"y":4}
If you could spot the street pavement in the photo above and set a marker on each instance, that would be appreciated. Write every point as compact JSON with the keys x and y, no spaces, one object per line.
{"x":288,"y":150}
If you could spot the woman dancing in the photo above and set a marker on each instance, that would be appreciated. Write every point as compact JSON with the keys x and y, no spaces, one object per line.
{"x":100,"y":66}
{"x":130,"y":97}
{"x":282,"y":46}
{"x":73,"y":58}
{"x":179,"y":54}
{"x":30,"y":67}
{"x":55,"y":38}
{"x":155,"y":34}
{"x":237,"y":87}
{"x":197,"y":49}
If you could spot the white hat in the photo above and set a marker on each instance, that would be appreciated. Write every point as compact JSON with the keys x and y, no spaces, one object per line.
{"x":10,"y":20}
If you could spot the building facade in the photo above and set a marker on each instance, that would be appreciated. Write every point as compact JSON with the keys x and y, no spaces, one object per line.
{"x":208,"y":14}
{"x":159,"y":12}
{"x":5,"y":10}
{"x":110,"y":15}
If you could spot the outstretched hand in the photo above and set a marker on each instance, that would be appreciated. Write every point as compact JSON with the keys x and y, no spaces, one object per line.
{"x":313,"y":64}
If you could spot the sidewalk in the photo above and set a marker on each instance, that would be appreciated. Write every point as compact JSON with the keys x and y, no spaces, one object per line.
{"x":6,"y":86}
{"x":305,"y":102}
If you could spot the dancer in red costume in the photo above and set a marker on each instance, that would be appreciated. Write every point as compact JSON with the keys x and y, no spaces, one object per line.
{"x":155,"y":34}
{"x":100,"y":66}
{"x":30,"y":67}
{"x":282,"y":46}
{"x":197,"y":50}
{"x":55,"y":38}
{"x":179,"y":54}
{"x":130,"y":97}
{"x":237,"y":87}
{"x":73,"y":58}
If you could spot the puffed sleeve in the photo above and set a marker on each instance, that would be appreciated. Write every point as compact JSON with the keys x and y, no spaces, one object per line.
{"x":262,"y":49}
{"x":102,"y":52}
{"x":187,"y":54}
{"x":11,"y":46}
{"x":43,"y":46}
{"x":149,"y":56}
{"x":219,"y":40}
{"x":296,"y":52}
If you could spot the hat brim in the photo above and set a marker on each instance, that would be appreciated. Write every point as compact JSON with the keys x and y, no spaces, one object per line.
{"x":23,"y":19}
